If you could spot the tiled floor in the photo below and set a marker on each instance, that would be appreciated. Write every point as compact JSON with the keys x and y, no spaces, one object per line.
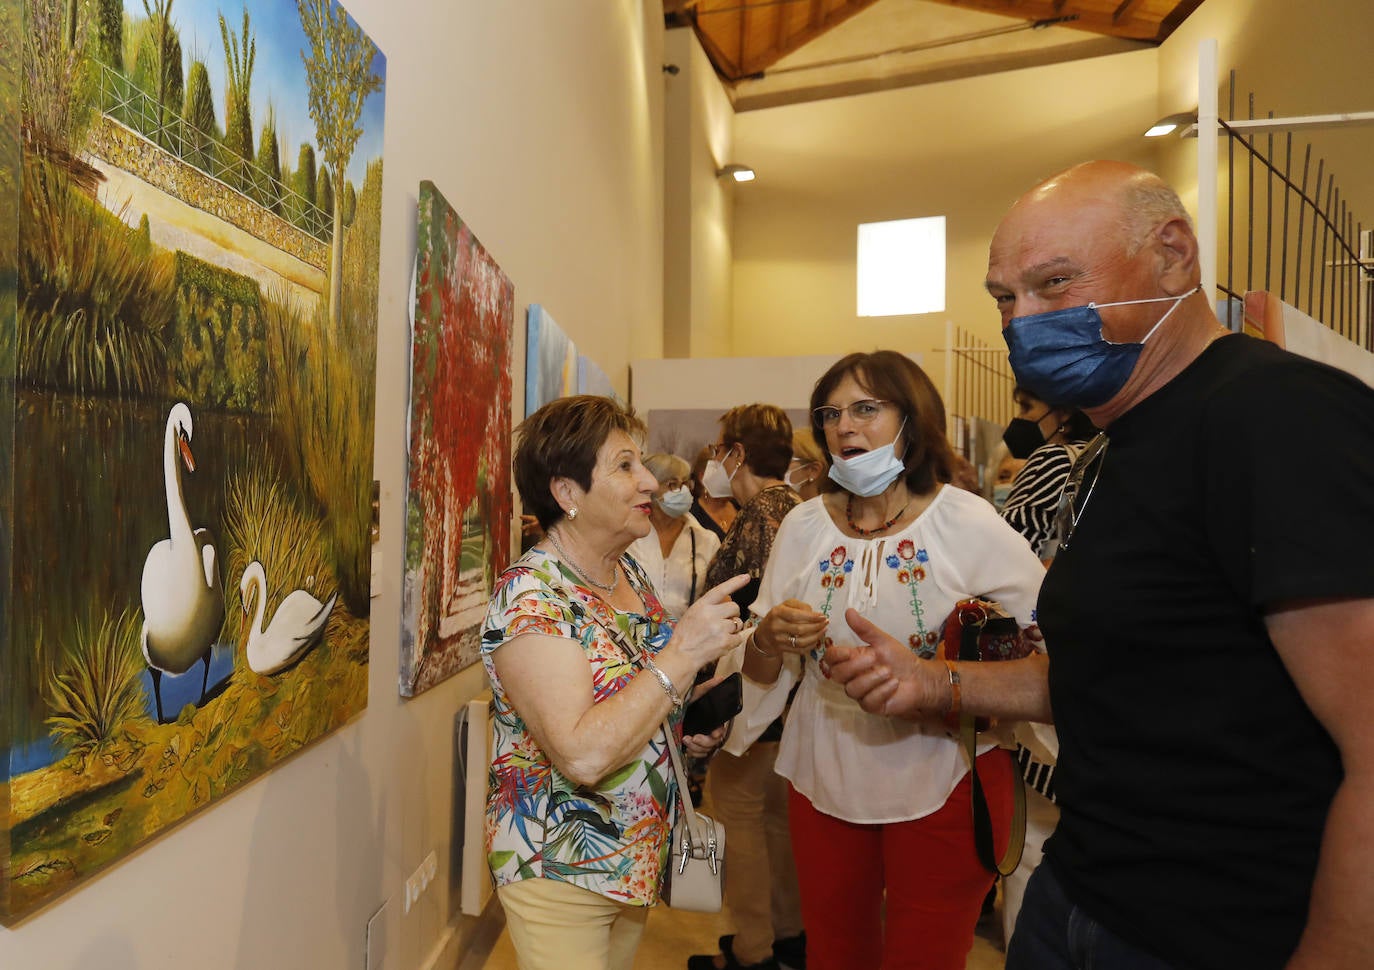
{"x":672,"y":936}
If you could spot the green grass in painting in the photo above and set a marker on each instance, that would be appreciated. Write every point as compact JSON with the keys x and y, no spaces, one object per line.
{"x":262,"y":522}
{"x":96,"y":693}
{"x":95,"y":303}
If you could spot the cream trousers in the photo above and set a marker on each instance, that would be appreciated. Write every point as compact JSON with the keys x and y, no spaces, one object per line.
{"x":558,"y":926}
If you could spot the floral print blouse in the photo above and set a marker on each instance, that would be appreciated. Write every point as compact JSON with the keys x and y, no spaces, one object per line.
{"x":612,"y":837}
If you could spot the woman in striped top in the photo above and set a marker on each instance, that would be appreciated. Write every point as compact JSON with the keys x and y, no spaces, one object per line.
{"x":1049,"y":438}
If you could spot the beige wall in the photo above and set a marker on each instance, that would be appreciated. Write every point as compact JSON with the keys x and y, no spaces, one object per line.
{"x":963,"y":149}
{"x":966,"y":149}
{"x":699,"y":206}
{"x":541,"y":121}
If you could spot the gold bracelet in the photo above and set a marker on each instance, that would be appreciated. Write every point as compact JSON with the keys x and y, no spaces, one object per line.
{"x":954,"y":689}
{"x":753,"y":642}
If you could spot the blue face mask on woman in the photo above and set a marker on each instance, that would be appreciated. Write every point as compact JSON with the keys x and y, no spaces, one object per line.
{"x":1063,"y":357}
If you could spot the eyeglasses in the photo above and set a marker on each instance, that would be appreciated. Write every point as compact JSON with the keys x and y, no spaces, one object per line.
{"x":860,"y":412}
{"x":1070,"y":510}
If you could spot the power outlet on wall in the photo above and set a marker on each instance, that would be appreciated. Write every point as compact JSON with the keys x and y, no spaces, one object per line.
{"x":420,"y":879}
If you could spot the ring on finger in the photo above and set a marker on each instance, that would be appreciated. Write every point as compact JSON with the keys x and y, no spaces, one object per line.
{"x":794,"y":641}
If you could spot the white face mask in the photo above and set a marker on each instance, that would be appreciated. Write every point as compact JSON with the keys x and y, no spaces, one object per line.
{"x":872,"y":472}
{"x":716,"y":480}
{"x":802,"y":479}
{"x":675,"y":502}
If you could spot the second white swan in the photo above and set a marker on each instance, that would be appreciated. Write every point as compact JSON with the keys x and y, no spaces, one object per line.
{"x":296,"y":626}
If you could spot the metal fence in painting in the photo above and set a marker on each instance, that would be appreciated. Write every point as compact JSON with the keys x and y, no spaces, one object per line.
{"x":123,"y":101}
{"x":1302,"y":242}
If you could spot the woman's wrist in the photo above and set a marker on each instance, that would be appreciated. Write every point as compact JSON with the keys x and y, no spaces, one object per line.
{"x":666,"y":683}
{"x":759,"y":646}
{"x":953,"y":690}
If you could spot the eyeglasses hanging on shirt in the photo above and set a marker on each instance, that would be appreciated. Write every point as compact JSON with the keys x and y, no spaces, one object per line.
{"x":1071,"y":509}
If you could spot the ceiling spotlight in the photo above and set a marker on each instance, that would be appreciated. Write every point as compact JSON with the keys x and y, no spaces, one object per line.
{"x":1170,"y":123}
{"x":740,"y":173}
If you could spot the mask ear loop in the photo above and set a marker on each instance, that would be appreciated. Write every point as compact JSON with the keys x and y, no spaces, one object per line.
{"x":1178,"y":301}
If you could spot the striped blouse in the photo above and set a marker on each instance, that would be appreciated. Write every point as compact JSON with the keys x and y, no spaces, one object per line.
{"x":1034,"y":497}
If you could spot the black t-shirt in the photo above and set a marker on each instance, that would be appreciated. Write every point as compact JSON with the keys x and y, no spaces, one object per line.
{"x":1193,"y":780}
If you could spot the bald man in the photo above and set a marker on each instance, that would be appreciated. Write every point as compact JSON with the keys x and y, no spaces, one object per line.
{"x":1210,"y":611}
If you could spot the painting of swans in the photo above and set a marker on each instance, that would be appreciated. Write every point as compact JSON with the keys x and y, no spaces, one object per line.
{"x":187,"y":374}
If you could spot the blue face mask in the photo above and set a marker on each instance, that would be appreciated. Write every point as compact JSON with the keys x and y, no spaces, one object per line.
{"x":1061,"y":355}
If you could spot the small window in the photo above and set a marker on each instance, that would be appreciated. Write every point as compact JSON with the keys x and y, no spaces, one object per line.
{"x":902,"y":267}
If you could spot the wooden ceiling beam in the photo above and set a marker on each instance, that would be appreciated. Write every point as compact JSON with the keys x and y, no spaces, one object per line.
{"x":1122,"y":10}
{"x":1091,"y":17}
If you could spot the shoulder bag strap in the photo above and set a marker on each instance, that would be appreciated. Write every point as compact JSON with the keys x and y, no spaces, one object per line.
{"x":701,"y":846}
{"x":982,"y":818}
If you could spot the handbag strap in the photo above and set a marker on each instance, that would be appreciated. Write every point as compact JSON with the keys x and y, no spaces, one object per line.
{"x":696,"y":829}
{"x":982,"y":817}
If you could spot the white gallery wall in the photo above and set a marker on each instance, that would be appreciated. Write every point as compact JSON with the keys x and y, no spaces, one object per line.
{"x":541,"y":122}
{"x":698,"y":205}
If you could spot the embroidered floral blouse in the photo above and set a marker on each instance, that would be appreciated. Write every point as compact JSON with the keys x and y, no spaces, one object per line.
{"x":851,"y":764}
{"x":612,"y":837}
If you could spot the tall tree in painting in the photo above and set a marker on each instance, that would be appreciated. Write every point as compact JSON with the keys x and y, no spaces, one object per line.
{"x":199,"y":112}
{"x":339,"y":71}
{"x":159,"y":15}
{"x":304,"y":183}
{"x":239,"y":56}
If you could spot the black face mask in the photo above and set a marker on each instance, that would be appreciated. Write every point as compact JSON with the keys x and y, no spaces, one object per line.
{"x":1022,"y":437}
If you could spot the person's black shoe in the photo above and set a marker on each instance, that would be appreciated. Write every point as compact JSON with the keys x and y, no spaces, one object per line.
{"x":707,"y":961}
{"x":791,"y":951}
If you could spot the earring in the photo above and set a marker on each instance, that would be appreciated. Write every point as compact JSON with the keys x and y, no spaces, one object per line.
{"x":572,"y":512}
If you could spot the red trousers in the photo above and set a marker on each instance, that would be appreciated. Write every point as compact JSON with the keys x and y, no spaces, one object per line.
{"x":900,"y":896}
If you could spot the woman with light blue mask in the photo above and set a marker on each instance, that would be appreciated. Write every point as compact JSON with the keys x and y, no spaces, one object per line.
{"x":677,"y":551}
{"x":881,"y":808}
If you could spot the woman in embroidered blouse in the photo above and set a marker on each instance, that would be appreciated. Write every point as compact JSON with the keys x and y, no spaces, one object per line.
{"x":581,"y":787}
{"x":677,"y":549}
{"x":880,"y":807}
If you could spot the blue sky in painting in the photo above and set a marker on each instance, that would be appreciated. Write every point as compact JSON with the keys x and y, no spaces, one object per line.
{"x":278,"y":72}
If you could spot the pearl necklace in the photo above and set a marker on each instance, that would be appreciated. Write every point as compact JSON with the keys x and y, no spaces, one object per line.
{"x":866,"y":533}
{"x":563,"y":554}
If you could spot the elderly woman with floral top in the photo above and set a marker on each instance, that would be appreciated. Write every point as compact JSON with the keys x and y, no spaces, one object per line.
{"x":585,"y":665}
{"x":880,"y":807}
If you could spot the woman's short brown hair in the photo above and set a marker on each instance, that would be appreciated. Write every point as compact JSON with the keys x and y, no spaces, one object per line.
{"x":561,"y":440}
{"x":765,"y":431}
{"x":894,"y":377}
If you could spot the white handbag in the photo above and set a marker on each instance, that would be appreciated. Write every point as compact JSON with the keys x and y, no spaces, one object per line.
{"x":696,"y":862}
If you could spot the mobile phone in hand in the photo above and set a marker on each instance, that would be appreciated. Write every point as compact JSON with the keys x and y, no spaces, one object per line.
{"x":715,"y":707}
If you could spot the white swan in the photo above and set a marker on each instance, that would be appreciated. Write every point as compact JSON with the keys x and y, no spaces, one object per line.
{"x":296,"y":626}
{"x":183,"y":601}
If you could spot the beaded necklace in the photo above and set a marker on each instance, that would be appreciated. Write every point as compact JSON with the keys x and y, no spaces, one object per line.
{"x":563,"y":554}
{"x":867,"y":533}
